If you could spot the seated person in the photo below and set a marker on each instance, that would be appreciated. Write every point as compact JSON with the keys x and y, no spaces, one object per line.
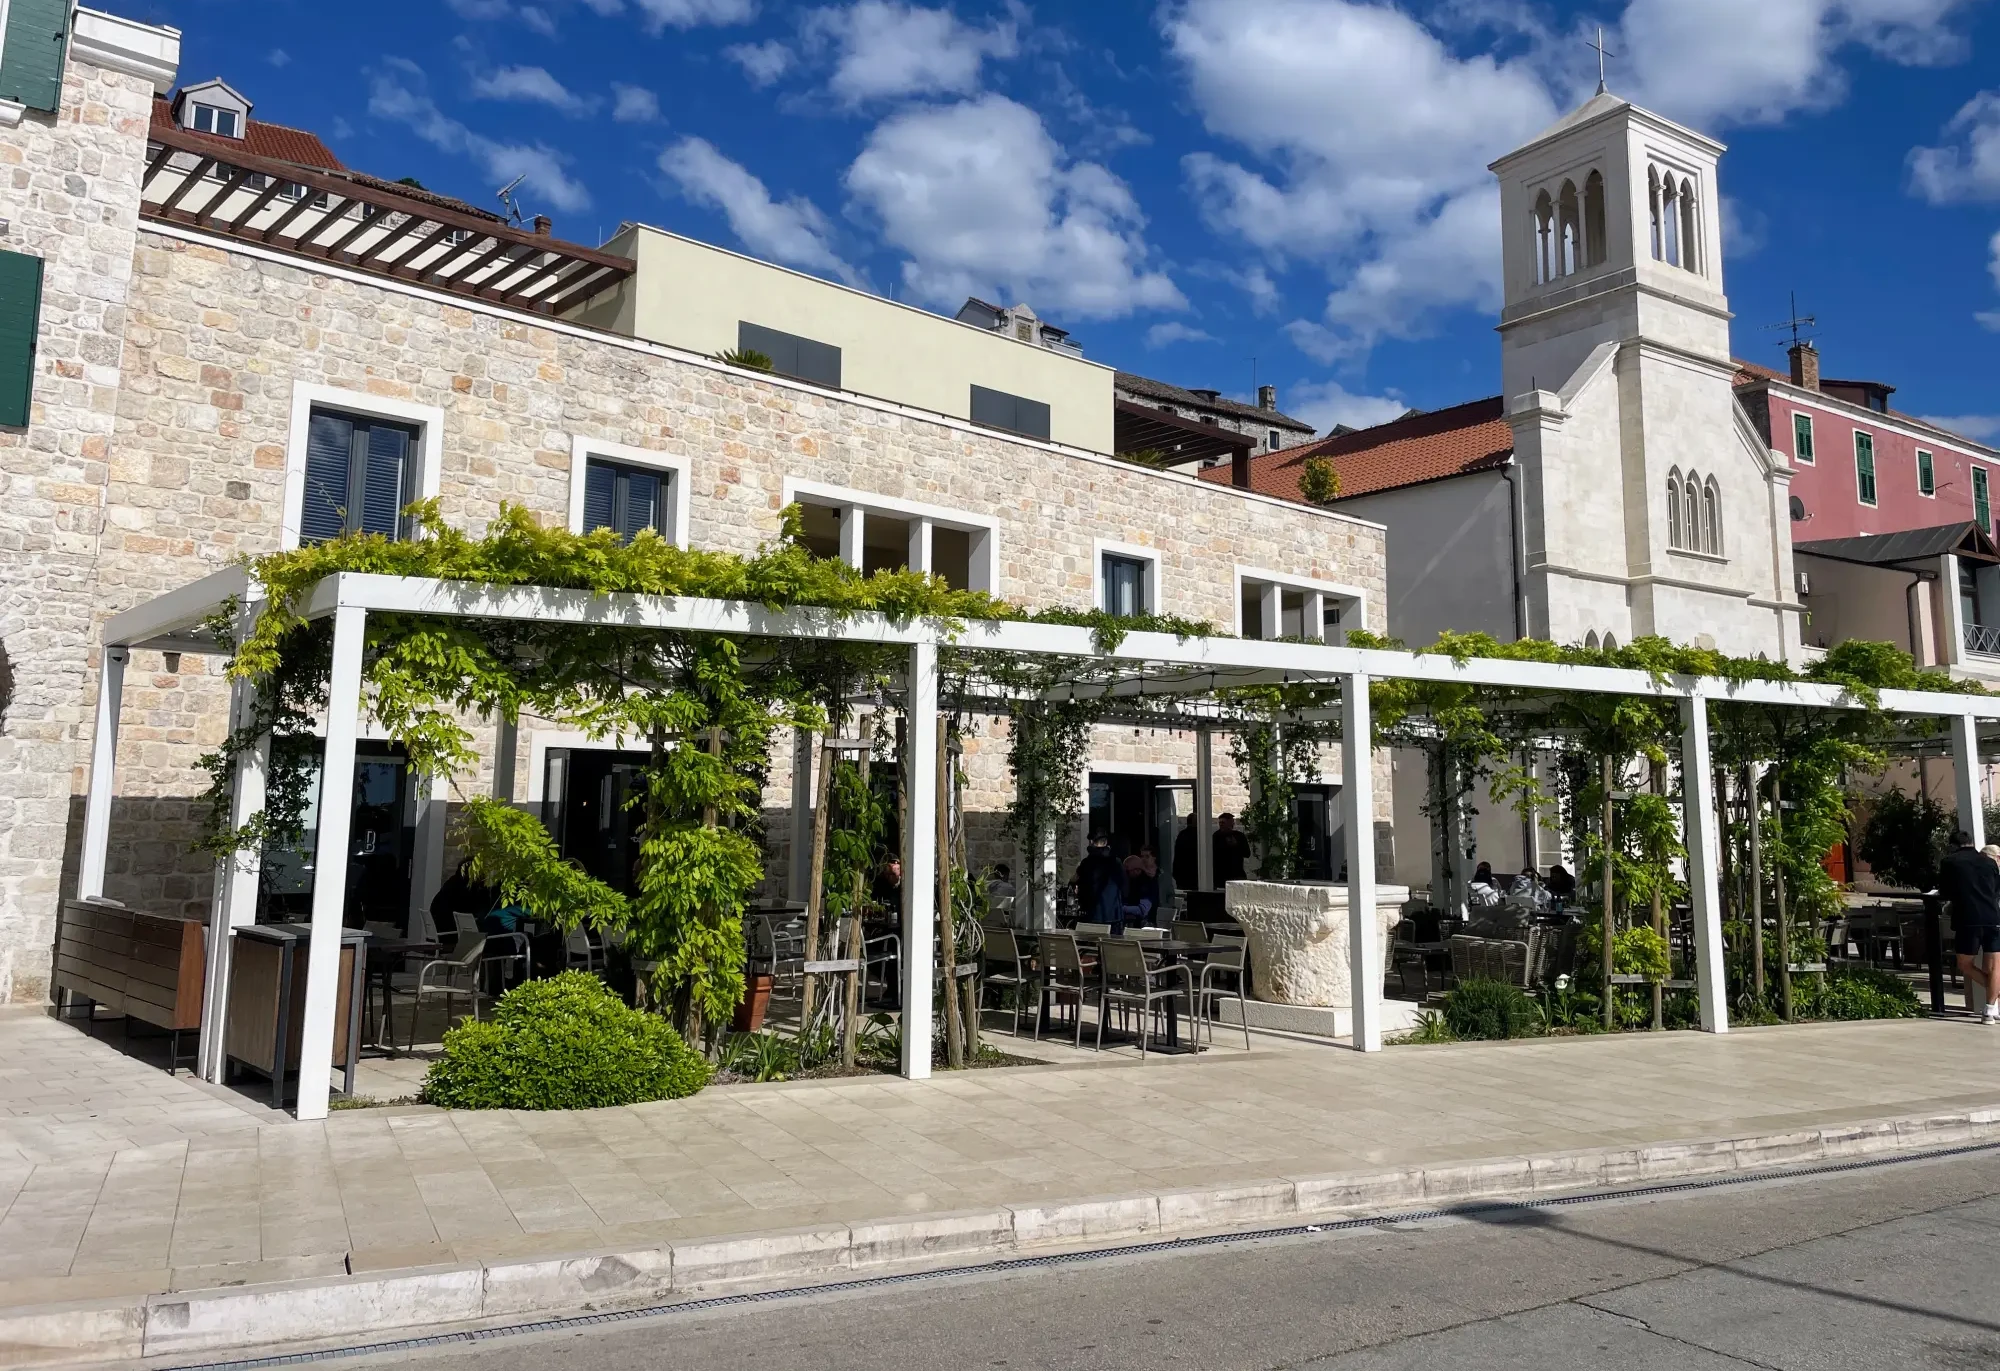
{"x":1561,"y":885}
{"x":1142,"y":887}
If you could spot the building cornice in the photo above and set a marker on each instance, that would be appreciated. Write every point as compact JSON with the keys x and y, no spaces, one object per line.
{"x":119,"y":44}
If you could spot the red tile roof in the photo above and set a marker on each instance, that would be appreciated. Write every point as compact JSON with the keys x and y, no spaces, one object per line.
{"x":1403,"y":452}
{"x":1750,"y":373}
{"x":265,"y":140}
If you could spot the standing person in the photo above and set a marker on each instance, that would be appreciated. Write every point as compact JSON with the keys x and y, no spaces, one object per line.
{"x":1232,"y":851}
{"x":1142,"y":886}
{"x":1100,"y":885}
{"x":1187,"y":857}
{"x":1971,"y":881}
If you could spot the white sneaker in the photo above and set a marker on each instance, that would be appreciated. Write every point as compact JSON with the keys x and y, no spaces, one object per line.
{"x":1992,"y":1014}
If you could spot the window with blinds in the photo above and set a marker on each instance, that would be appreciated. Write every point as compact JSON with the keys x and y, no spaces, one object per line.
{"x":1126,"y":585}
{"x":627,"y":498}
{"x":360,"y":473}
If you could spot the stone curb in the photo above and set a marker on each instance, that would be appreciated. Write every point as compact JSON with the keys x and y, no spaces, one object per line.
{"x":428,"y":1299}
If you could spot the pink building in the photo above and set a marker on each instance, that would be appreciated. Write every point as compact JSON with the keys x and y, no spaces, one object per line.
{"x":1860,"y":466}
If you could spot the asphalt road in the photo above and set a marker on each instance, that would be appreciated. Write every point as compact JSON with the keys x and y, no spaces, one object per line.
{"x":1896,"y":1266}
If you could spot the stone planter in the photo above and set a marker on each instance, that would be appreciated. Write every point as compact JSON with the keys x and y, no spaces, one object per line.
{"x":1298,"y":938}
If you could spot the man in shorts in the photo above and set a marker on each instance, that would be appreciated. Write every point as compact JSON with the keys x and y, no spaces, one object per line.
{"x":1971,"y":881}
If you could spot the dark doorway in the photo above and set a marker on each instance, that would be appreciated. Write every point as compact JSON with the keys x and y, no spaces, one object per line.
{"x":590,"y":808}
{"x":382,"y":842}
{"x":1141,"y":811}
{"x":1320,"y":851}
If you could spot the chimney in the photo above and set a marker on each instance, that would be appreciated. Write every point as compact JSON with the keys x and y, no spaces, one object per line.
{"x":1239,"y":468}
{"x":542,"y":226}
{"x":1267,"y":398}
{"x":1805,"y":365}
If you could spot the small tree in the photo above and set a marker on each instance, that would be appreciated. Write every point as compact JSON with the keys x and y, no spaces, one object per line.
{"x":1905,"y":839}
{"x":1319,"y":482}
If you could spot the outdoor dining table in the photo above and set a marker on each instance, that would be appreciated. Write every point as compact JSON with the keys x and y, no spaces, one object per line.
{"x":1167,"y":949}
{"x":387,"y":956}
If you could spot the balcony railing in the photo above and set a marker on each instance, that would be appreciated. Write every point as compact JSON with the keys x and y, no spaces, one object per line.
{"x":1982,"y":640}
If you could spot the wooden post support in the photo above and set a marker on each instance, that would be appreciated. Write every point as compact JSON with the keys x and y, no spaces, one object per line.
{"x":954,"y":1033}
{"x":1660,"y":918}
{"x":1784,"y":919}
{"x":850,"y":1027}
{"x":1610,"y":929}
{"x":822,"y":805}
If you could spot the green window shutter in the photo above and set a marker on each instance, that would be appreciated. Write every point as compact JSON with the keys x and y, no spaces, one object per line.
{"x":1982,"y":500}
{"x":1926,"y":474}
{"x":31,"y":62}
{"x":1802,"y":446}
{"x":1864,"y":468}
{"x":20,"y":321}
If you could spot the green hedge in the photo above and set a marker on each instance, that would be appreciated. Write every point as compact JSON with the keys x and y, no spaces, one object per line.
{"x":1866,"y":992}
{"x":1480,"y":1008}
{"x":563,"y":1043}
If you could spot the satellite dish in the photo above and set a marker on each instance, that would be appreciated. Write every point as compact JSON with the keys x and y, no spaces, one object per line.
{"x":1799,"y":514}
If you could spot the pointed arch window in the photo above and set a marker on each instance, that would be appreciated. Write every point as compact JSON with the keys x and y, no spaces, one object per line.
{"x":1569,"y":231}
{"x":1653,"y":200}
{"x":1590,"y":640}
{"x":1674,"y":508}
{"x":1595,"y":239}
{"x":1711,"y":517}
{"x":1670,"y":222}
{"x":1545,"y":240}
{"x":1690,"y":234}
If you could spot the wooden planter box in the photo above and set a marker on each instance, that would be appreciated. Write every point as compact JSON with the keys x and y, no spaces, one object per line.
{"x":148,"y":967}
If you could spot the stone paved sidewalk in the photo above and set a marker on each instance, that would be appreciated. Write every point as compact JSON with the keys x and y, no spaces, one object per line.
{"x":168,"y":1184}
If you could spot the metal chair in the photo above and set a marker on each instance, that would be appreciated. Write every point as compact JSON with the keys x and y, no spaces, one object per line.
{"x":1144,"y":934}
{"x":1190,"y":931}
{"x":448,"y":978}
{"x":1066,"y":975}
{"x":504,"y":951}
{"x":1005,"y":965}
{"x":1131,"y":984}
{"x":778,"y":949}
{"x":1093,"y":930}
{"x":1224,"y":964}
{"x":580,"y":953}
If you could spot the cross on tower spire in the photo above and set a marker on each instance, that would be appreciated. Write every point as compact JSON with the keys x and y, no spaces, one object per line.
{"x":1602,"y":53}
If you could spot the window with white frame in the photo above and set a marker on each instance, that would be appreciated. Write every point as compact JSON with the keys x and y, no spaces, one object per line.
{"x":210,"y":119}
{"x":884,"y":533}
{"x":1127,"y":583}
{"x":1273,"y":606}
{"x":354,"y":462}
{"x":627,"y":489}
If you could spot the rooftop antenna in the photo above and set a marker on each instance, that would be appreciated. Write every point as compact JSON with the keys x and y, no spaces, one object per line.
{"x":1602,"y":53}
{"x":1799,"y":325}
{"x":507,"y":198}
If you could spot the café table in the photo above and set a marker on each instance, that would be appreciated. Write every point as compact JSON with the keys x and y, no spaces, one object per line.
{"x":1170,"y":950}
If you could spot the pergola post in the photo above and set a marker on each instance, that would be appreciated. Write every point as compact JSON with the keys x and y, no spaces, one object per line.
{"x":1204,"y":808}
{"x":103,"y":774}
{"x":799,"y":877}
{"x":336,"y":813}
{"x":1357,"y":803}
{"x":1704,"y":884}
{"x":1965,"y":761}
{"x":236,"y":880}
{"x":920,"y":856}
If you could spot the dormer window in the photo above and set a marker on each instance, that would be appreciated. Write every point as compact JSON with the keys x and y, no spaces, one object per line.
{"x":221,"y":122}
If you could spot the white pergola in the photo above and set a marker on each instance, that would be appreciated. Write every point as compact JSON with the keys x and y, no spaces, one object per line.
{"x":1152,"y":664}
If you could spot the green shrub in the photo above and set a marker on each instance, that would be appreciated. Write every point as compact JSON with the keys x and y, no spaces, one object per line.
{"x":1491,"y":1009}
{"x":1430,"y":1028}
{"x":563,"y":1043}
{"x":1864,"y":992}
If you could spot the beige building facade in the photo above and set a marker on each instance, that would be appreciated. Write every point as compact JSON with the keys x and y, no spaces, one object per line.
{"x":183,"y":374}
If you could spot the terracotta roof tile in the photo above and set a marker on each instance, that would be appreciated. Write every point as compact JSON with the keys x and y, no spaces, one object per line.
{"x":265,"y":140}
{"x":1403,"y":452}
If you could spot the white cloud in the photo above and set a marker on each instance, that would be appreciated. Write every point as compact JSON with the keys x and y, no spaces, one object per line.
{"x":539,"y":20}
{"x":480,"y":9}
{"x":1362,"y":138}
{"x":1978,"y":427}
{"x":692,"y":14}
{"x":1744,"y":228}
{"x":887,"y":49}
{"x":1988,"y":319}
{"x":633,"y":104}
{"x":1712,"y":61}
{"x":531,"y":85}
{"x":762,"y":62}
{"x":1325,"y":404}
{"x":792,"y":231}
{"x":1967,"y":168}
{"x":396,"y":92}
{"x":278,"y":57}
{"x":984,"y":203}
{"x":1174,"y":331}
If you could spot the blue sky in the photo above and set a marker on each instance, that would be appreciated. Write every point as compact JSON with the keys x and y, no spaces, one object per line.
{"x":1191,"y":185}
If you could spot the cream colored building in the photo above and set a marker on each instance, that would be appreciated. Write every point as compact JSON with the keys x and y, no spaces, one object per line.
{"x":706,"y":299}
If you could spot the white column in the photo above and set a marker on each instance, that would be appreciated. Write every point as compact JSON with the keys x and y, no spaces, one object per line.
{"x":1357,"y":803}
{"x":852,"y":528}
{"x":1965,"y":762}
{"x":1204,"y":808}
{"x":985,"y":575}
{"x":236,"y":880}
{"x":920,"y":857}
{"x":1954,"y":610}
{"x":103,"y":774}
{"x":919,"y":556}
{"x":800,"y":875}
{"x":1703,"y":864}
{"x":336,"y":813}
{"x":1314,"y":616}
{"x":1271,"y":612}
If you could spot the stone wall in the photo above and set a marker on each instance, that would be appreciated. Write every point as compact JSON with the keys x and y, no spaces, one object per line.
{"x":69,"y":189}
{"x":216,"y":338}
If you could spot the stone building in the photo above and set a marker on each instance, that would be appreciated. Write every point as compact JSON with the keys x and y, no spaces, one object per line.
{"x":218,"y":329}
{"x":1268,"y":428}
